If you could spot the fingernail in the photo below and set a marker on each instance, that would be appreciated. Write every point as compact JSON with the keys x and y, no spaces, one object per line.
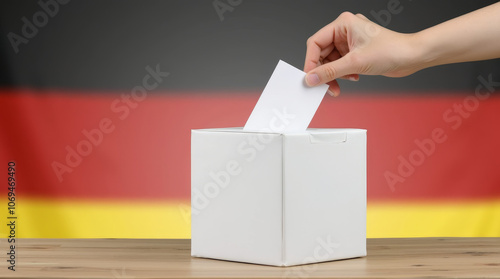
{"x":312,"y":79}
{"x":353,"y":79}
{"x":330,"y":93}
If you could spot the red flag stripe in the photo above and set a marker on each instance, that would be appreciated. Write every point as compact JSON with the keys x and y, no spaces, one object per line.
{"x":442,"y":146}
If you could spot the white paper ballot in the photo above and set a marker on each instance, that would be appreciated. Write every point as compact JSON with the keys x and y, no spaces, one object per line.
{"x":287,"y":103}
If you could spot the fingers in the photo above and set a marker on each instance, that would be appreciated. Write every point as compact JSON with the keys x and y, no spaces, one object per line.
{"x":326,"y":52}
{"x":353,"y":77}
{"x":327,"y":60}
{"x":335,"y":56}
{"x":362,"y":17}
{"x":334,"y":88}
{"x":330,"y":71}
{"x":316,"y":43}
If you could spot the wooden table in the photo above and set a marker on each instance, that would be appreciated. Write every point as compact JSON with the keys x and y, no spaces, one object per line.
{"x":156,"y":258}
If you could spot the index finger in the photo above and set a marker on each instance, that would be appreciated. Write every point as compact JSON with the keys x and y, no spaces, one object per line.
{"x":320,"y":40}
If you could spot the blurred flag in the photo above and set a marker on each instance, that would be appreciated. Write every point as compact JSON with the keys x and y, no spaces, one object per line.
{"x":97,"y":104}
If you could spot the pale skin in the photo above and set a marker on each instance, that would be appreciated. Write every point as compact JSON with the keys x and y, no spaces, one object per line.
{"x":352,"y":45}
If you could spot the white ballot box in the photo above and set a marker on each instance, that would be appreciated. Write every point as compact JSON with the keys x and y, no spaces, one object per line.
{"x":278,"y":199}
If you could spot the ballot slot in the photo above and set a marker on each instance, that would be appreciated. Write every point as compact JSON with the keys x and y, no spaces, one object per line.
{"x":316,"y":138}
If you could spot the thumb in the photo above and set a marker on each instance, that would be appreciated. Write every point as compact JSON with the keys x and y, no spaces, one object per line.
{"x":330,"y":71}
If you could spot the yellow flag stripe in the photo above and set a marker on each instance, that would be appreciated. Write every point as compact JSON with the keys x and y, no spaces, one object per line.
{"x":38,"y":218}
{"x":434,"y":219}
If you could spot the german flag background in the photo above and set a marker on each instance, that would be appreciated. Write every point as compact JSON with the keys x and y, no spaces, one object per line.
{"x":97,"y":100}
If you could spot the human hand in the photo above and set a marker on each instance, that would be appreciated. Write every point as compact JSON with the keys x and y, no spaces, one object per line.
{"x":352,"y":45}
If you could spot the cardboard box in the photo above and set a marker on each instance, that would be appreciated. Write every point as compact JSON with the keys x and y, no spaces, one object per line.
{"x":278,"y":199}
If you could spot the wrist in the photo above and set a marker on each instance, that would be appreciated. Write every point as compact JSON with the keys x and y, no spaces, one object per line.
{"x":423,"y":54}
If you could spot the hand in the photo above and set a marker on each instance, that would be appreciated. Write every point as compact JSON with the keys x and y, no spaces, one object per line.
{"x":353,"y":45}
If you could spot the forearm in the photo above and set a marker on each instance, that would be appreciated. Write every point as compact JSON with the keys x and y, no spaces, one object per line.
{"x":471,"y":37}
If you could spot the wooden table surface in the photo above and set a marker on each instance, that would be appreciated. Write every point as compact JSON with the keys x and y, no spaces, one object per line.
{"x":170,"y":258}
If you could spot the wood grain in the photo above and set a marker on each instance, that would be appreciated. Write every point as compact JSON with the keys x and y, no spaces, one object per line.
{"x":170,"y":258}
